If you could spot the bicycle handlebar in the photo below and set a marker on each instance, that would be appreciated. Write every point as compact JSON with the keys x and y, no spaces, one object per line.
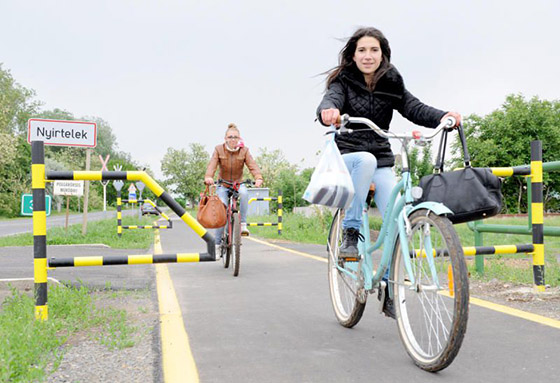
{"x":345,"y":119}
{"x":246,"y":182}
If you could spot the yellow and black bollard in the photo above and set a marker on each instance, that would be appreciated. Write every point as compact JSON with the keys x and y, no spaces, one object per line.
{"x":39,"y":229}
{"x":537,"y":214}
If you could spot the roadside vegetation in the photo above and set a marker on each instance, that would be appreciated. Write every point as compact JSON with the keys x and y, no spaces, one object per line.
{"x":98,"y":232}
{"x":30,"y":350}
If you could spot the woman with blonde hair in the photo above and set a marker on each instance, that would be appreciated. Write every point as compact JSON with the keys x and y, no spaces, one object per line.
{"x":231,"y":157}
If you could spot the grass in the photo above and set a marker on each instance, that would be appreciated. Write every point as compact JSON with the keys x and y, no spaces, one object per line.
{"x":510,"y":268}
{"x":295,"y":227}
{"x":103,"y":231}
{"x":514,"y":268}
{"x":30,"y":350}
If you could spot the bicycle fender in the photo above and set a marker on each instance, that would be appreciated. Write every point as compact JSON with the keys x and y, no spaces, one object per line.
{"x":436,"y":207}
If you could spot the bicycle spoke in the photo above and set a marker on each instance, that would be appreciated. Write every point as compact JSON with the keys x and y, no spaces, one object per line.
{"x":431,"y":324}
{"x":343,"y":279}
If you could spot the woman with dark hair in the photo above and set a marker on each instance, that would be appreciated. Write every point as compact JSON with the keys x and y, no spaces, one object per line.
{"x":366,"y":84}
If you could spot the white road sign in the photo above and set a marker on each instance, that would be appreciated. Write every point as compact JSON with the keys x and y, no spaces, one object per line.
{"x":62,"y":133}
{"x":75,"y":188}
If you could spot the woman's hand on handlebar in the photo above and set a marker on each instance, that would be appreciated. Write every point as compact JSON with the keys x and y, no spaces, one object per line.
{"x":330,"y":116}
{"x":258,"y":183}
{"x":455,"y":115}
{"x":209,"y":181}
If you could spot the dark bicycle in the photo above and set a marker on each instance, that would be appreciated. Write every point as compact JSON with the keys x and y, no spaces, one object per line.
{"x":230,"y":251}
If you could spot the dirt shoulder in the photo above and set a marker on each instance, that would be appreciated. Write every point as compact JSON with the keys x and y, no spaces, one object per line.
{"x":87,"y":359}
{"x":518,"y":296}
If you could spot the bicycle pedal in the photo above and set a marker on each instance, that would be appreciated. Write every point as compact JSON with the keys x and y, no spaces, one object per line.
{"x":351,"y":259}
{"x":244,"y":234}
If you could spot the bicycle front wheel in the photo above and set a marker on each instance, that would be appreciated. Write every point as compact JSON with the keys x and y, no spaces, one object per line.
{"x":432,"y":313}
{"x":236,"y":245}
{"x":344,"y":279}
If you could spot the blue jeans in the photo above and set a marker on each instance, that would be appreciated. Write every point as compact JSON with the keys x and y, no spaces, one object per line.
{"x":243,"y":206}
{"x":363,"y":170}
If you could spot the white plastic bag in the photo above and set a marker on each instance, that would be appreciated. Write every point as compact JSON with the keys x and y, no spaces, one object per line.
{"x":331,"y":184}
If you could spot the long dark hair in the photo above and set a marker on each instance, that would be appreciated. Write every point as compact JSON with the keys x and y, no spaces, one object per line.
{"x":346,"y":55}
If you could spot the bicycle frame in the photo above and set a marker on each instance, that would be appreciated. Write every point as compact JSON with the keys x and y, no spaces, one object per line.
{"x":395,"y":221}
{"x":232,"y":208}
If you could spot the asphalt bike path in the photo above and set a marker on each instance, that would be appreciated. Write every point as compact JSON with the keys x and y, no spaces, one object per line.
{"x":275,"y":323}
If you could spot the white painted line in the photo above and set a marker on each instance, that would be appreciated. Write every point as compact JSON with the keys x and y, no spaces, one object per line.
{"x":27,"y":279}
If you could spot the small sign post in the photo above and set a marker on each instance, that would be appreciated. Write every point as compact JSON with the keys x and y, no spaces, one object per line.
{"x":104,"y":183}
{"x":68,"y":188}
{"x":132,"y":193}
{"x":140,"y":185}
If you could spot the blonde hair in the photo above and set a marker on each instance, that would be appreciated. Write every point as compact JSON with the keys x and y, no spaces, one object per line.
{"x":232,"y":126}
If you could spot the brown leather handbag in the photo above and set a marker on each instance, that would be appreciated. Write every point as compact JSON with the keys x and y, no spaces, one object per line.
{"x":211,"y":211}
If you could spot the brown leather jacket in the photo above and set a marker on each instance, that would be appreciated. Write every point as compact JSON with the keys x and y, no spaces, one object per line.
{"x":231,"y":164}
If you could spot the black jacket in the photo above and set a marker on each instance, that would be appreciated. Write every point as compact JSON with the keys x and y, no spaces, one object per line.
{"x":349,"y":93}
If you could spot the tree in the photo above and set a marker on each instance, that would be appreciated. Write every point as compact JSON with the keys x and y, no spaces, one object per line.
{"x":106,"y":140}
{"x":419,"y":163}
{"x":271,"y":163}
{"x":503,"y":139}
{"x":16,"y":104}
{"x":185,"y":170}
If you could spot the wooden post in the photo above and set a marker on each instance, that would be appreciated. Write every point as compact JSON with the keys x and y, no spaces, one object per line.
{"x":67,"y":212}
{"x":86,"y":193}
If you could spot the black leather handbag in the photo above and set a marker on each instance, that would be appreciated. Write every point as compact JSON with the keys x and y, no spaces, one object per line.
{"x":470,"y":193}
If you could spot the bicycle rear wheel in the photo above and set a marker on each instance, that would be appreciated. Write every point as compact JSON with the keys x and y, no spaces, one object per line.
{"x":344,"y":278}
{"x":432,"y":314}
{"x":236,"y":245}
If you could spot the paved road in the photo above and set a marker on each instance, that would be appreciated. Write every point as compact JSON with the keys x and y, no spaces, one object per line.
{"x":25,"y":225}
{"x":274,"y":323}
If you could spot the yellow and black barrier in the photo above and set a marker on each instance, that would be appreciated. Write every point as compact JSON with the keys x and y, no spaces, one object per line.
{"x":121,"y":227}
{"x":534,"y":173}
{"x":500,"y":249}
{"x":279,"y":223}
{"x":537,"y":214}
{"x":39,"y":178}
{"x":39,"y":230}
{"x":479,"y":250}
{"x":141,"y":259}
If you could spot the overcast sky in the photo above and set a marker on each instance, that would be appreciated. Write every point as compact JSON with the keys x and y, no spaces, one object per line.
{"x":169,"y":73}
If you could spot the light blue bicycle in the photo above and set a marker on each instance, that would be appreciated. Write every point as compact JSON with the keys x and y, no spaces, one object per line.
{"x":428,"y":278}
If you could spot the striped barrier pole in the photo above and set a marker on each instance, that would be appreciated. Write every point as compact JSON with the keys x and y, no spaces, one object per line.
{"x":132,"y":227}
{"x":119,"y":213}
{"x":537,"y":217}
{"x":39,"y":229}
{"x":280,"y":212}
{"x":500,"y":249}
{"x":140,"y":259}
{"x":169,"y":222}
{"x":150,"y":184}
